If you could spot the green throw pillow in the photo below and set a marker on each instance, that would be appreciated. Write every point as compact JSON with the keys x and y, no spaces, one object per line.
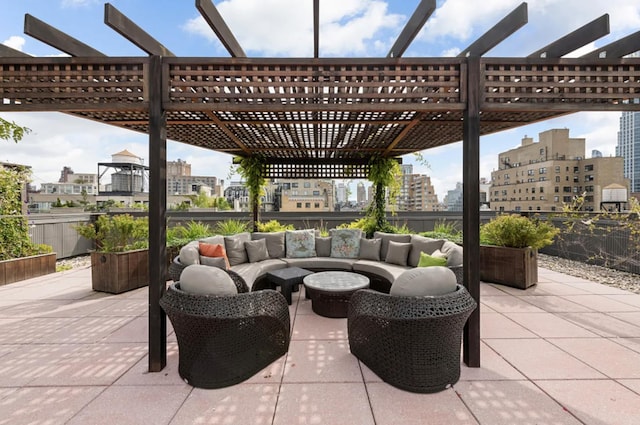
{"x":427,"y":260}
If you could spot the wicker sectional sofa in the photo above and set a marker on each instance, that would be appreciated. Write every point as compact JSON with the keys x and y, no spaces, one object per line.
{"x":383,"y":258}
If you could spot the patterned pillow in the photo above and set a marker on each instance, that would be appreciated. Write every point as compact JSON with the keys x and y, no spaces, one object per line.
{"x":300,"y":243}
{"x":345,"y":243}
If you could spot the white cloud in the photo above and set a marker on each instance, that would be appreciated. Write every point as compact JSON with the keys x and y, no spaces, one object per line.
{"x":78,"y":3}
{"x":15,"y":42}
{"x":346,"y":26}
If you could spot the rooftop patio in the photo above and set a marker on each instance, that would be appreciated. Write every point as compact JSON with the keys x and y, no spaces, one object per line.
{"x":566,"y":351}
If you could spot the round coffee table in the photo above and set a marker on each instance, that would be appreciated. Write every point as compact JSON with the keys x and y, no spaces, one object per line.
{"x":330,"y":291}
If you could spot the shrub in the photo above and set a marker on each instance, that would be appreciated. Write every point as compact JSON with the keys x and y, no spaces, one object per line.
{"x":182,"y":235}
{"x":231,"y":227}
{"x":274,"y":226}
{"x":117,"y":233}
{"x":517,"y":232}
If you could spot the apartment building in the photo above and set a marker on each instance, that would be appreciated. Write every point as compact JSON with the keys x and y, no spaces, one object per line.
{"x":301,"y":195}
{"x":545,"y":175}
{"x":181,"y":182}
{"x":422,"y":196}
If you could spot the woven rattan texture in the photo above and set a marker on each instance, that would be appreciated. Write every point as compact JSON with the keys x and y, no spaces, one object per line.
{"x":412,"y":343}
{"x":224,"y":340}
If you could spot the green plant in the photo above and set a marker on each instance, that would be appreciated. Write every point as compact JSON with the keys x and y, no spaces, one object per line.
{"x":385,"y":174}
{"x":253,"y":169}
{"x":182,"y":235}
{"x":117,"y":233}
{"x":9,"y":130}
{"x":231,"y":227}
{"x":517,"y":232}
{"x":274,"y":226}
{"x":445,"y":230}
{"x":63,"y":267}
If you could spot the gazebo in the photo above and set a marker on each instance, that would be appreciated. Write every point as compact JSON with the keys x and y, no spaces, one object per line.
{"x":319,"y":117}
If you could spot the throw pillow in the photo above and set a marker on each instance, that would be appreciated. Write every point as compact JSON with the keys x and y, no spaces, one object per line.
{"x":386,"y":238}
{"x":204,"y":280}
{"x":323,"y":246}
{"x":235,"y":248}
{"x":422,"y":244}
{"x":257,"y":250}
{"x":398,"y":253}
{"x":213,"y":251}
{"x":275,"y":242}
{"x":427,"y":260}
{"x":453,"y":252}
{"x":424,"y":281}
{"x":370,"y":249}
{"x":300,"y":243}
{"x":345,"y":243}
{"x":219,"y":262}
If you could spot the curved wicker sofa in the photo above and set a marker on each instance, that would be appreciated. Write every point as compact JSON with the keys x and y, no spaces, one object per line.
{"x":380,"y":273}
{"x":224,"y":340}
{"x":412,"y":343}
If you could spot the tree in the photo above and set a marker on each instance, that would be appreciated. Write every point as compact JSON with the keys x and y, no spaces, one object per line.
{"x":9,"y":130}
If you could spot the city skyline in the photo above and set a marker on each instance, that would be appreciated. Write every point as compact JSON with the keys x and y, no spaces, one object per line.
{"x":370,"y":26}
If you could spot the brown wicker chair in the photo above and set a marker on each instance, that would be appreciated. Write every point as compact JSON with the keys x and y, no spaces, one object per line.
{"x":224,"y":340}
{"x":412,"y":343}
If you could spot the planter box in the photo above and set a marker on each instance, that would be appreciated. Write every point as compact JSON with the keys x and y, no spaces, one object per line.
{"x":517,"y":267}
{"x":117,"y":272}
{"x":18,"y":269}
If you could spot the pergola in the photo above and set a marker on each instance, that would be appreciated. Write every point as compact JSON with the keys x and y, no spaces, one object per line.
{"x":319,"y":117}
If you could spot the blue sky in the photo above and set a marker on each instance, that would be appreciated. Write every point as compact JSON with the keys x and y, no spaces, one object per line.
{"x":284,"y":28}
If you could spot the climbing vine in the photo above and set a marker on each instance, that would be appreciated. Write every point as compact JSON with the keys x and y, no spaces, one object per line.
{"x":253,"y":169}
{"x":384,"y":174}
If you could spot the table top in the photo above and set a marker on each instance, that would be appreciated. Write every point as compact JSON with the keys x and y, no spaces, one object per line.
{"x":289,"y":273}
{"x":336,"y":281}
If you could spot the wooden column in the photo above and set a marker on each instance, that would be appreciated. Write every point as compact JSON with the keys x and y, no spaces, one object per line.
{"x":471,"y":209}
{"x":156,"y":87}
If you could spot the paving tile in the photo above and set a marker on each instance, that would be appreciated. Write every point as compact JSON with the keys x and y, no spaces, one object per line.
{"x":321,"y":361}
{"x":132,"y":405}
{"x":632,"y":343}
{"x":271,"y":374}
{"x":595,"y":401}
{"x":492,"y":367}
{"x":496,"y":325}
{"x":239,"y":404}
{"x":317,"y":327}
{"x":487,"y":289}
{"x":512,"y":402}
{"x":555,"y":288}
{"x":632,"y":384}
{"x":133,"y":330}
{"x":630,"y":317}
{"x":86,"y":330}
{"x":392,"y":406}
{"x":547,"y":325}
{"x":631,"y":299}
{"x":124,"y":307}
{"x":28,"y":362}
{"x":45,"y":405}
{"x":604,"y":355}
{"x":603,"y":324}
{"x":93,"y":364}
{"x":539,"y":359}
{"x":33,"y":329}
{"x":555,"y":304}
{"x":324,"y":404}
{"x":600,"y":303}
{"x":139,"y":374}
{"x":596,"y":288}
{"x":509,"y":304}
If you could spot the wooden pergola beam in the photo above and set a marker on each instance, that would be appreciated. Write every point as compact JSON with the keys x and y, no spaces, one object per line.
{"x":132,"y":32}
{"x":413,"y":26}
{"x":581,"y":37}
{"x":617,"y":49}
{"x":56,"y":38}
{"x":498,"y":33}
{"x":210,"y":14}
{"x":9,"y":52}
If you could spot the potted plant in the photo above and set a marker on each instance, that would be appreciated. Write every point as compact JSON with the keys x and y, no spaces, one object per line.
{"x":120,"y":261}
{"x":509,"y":249}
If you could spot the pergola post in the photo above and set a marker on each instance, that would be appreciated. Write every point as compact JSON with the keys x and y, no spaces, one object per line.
{"x":157,"y":215}
{"x":471,"y":209}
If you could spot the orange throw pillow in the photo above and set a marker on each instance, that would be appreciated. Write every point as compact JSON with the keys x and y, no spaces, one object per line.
{"x":213,"y":250}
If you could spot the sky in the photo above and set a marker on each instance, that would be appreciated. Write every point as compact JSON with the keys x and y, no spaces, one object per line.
{"x":284,"y":28}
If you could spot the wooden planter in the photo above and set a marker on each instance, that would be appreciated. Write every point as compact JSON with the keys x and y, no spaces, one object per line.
{"x":516,"y":267}
{"x":117,"y":272}
{"x":18,"y":269}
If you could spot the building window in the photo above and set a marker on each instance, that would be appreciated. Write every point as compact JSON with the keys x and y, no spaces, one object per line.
{"x":307,"y":204}
{"x":541,"y":151}
{"x":588,"y":167}
{"x":556,"y":199}
{"x":566,"y":199}
{"x":557,"y":179}
{"x":588,"y":188}
{"x":530,"y":172}
{"x":307,"y":185}
{"x":294,"y":185}
{"x":557,"y":168}
{"x":316,"y":205}
{"x":588,"y":178}
{"x":316,"y":193}
{"x":533,"y":190}
{"x":576,"y":169}
{"x":299,"y":205}
{"x":575,"y":189}
{"x":542,"y":170}
{"x":566,"y":189}
{"x":541,"y":179}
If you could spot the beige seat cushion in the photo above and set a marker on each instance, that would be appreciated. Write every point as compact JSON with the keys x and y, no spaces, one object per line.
{"x":423,"y":281}
{"x":204,"y":280}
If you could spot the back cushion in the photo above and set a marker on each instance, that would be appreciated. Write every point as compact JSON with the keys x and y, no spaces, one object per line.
{"x":204,"y":280}
{"x":235,"y":248}
{"x":423,"y":281}
{"x":453,"y":252}
{"x":213,"y":251}
{"x":323,"y":246}
{"x":275,"y":242}
{"x":189,"y":254}
{"x":386,"y":237}
{"x":422,"y":244}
